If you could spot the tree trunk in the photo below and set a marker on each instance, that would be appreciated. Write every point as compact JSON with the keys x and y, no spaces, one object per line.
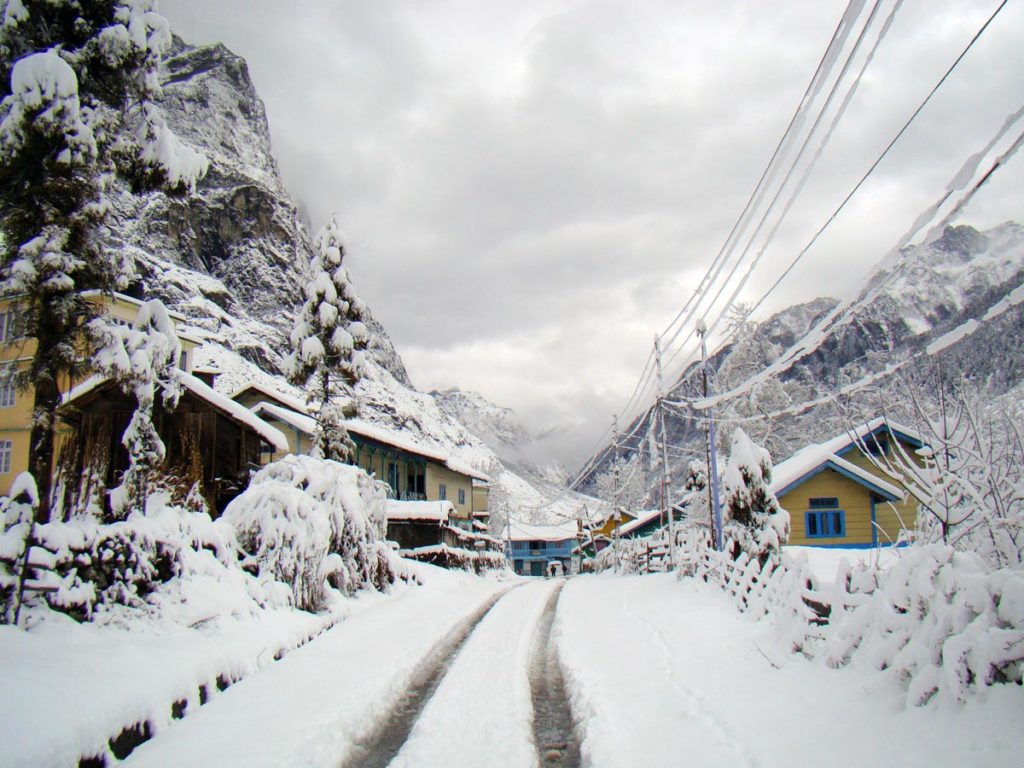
{"x":41,"y":440}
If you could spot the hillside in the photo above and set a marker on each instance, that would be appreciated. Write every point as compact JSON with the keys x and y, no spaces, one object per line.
{"x":939,"y":286}
{"x":232,"y":259}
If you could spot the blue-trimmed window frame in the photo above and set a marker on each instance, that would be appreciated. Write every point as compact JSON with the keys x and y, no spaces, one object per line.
{"x":825,"y":523}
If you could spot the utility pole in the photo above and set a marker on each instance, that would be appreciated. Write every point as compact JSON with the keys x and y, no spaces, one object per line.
{"x":666,"y":502}
{"x":716,"y":508}
{"x":617,"y":495}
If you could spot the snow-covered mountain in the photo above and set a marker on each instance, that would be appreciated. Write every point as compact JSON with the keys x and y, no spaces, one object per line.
{"x":232,"y":259}
{"x":501,"y":428}
{"x":936,"y":287}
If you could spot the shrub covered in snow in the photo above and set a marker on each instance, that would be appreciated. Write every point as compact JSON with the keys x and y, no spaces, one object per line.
{"x":752,"y":520}
{"x":938,"y":621}
{"x":310,"y":522}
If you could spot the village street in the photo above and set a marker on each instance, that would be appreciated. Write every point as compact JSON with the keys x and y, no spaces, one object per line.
{"x":659,"y":672}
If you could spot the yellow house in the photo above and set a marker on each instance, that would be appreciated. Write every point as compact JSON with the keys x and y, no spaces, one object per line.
{"x":16,"y":353}
{"x":835,"y":495}
{"x":412,"y":471}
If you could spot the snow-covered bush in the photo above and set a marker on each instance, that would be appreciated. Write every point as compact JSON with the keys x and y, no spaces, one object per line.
{"x":136,"y":563}
{"x":311,"y":522}
{"x":939,"y":622}
{"x":752,"y":520}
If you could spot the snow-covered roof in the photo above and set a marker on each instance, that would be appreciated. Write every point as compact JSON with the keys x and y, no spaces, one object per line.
{"x":641,"y":519}
{"x":555,"y":532}
{"x":307,"y":424}
{"x":201,"y":390}
{"x":437,"y":511}
{"x":287,"y":400}
{"x":237,"y":411}
{"x":842,"y":442}
{"x":300,"y":421}
{"x":816,"y":458}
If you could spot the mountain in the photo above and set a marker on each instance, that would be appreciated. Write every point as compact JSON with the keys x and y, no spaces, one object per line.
{"x":501,"y":429}
{"x":233,"y":257}
{"x":936,"y":288}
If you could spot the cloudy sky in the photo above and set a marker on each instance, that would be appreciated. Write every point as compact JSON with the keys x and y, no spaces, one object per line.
{"x":533,"y":189}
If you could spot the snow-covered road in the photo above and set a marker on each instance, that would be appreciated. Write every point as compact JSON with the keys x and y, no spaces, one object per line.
{"x":317,"y":705}
{"x":659,"y":672}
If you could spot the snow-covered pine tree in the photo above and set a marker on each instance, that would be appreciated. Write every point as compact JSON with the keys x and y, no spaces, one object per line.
{"x":753,"y":521}
{"x":328,"y":343}
{"x":141,"y":358}
{"x":77,"y":82}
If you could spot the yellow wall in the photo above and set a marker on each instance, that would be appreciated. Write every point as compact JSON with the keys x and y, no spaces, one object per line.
{"x":15,"y":422}
{"x":480,"y":494}
{"x":853,"y":497}
{"x":888,"y":514}
{"x":454,"y":481}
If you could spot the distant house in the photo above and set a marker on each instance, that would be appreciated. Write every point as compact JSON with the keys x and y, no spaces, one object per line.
{"x":411,"y":471}
{"x":16,"y":353}
{"x":837,"y":498}
{"x":423,"y":531}
{"x":648,"y":522}
{"x":210,"y":441}
{"x":599,"y":530}
{"x":533,"y":548}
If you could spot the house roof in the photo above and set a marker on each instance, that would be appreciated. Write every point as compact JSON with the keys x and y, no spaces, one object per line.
{"x":229,"y":407}
{"x":531,"y":532}
{"x":301,"y":421}
{"x":435,"y":511}
{"x":813,"y":459}
{"x":846,"y":441}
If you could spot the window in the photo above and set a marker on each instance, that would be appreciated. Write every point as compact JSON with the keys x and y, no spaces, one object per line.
{"x":9,"y":330}
{"x":824,"y":502}
{"x":826,"y":523}
{"x":6,"y":387}
{"x":6,"y":449}
{"x":442,"y":491}
{"x":462,"y":495}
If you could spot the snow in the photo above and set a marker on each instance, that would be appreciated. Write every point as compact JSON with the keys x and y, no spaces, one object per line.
{"x":438,"y":511}
{"x":551,"y":532}
{"x":319,"y":702}
{"x":811,"y":458}
{"x":699,"y":686}
{"x":467,"y":722}
{"x":67,"y":687}
{"x":44,"y":93}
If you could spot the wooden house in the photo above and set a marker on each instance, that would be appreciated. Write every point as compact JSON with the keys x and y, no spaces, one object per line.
{"x":837,"y":497}
{"x":411,"y":471}
{"x":16,"y":353}
{"x":209,"y":439}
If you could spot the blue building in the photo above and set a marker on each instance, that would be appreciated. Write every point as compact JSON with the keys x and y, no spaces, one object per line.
{"x":533,"y":549}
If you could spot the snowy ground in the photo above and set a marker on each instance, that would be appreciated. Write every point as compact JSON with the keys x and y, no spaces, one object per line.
{"x":660,"y":672}
{"x":666,"y":673}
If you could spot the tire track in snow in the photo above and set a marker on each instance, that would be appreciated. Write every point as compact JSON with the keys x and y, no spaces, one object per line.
{"x":553,"y":729}
{"x":382,"y":744}
{"x":693,"y":702}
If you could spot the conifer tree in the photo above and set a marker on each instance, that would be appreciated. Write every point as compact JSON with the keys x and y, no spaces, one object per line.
{"x":753,"y":521}
{"x":77,"y":82}
{"x":328,"y":343}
